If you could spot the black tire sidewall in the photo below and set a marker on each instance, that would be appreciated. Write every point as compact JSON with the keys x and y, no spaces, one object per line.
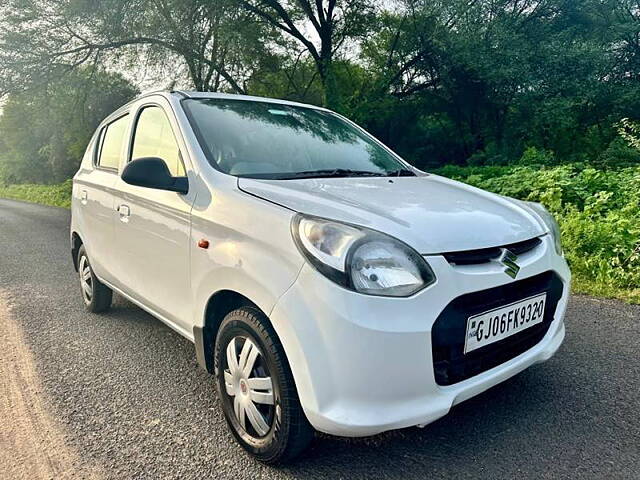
{"x":100,"y":294}
{"x":248,"y":323}
{"x":83,"y":253}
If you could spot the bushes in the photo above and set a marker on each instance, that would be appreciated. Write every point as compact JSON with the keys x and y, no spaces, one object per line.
{"x":598,"y":212}
{"x":619,"y":153}
{"x":537,"y":156}
{"x":57,"y":195}
{"x":630,"y":132}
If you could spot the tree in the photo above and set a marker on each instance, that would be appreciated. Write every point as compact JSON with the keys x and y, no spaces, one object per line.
{"x":216,"y":42}
{"x":290,"y":77}
{"x":486,"y":79}
{"x":334,"y":22}
{"x":441,"y":81}
{"x":630,"y":132}
{"x":45,"y":132}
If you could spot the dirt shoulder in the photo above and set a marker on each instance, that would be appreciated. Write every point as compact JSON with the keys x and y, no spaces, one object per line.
{"x":32,"y":444}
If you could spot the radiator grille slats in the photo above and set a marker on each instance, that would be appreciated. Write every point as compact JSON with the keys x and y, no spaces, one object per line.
{"x":483,"y":255}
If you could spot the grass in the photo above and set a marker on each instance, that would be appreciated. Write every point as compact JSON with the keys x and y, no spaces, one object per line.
{"x":58,"y":195}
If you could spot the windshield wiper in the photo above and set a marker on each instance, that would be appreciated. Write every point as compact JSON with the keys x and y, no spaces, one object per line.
{"x":331,"y":172}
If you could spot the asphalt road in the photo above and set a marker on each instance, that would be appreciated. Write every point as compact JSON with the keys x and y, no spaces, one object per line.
{"x":133,"y":404}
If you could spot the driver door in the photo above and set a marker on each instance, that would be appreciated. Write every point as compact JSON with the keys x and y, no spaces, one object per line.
{"x":152,"y":227}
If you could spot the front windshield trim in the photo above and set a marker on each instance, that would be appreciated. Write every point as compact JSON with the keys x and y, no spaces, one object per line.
{"x":401,"y":163}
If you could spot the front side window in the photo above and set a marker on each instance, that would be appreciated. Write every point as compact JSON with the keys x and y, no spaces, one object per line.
{"x":271,"y":140}
{"x":110,"y":143}
{"x":154,"y":138}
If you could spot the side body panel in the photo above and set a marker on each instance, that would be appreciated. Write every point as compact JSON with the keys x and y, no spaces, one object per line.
{"x":152,"y":230}
{"x":92,"y":212}
{"x":251,"y":250}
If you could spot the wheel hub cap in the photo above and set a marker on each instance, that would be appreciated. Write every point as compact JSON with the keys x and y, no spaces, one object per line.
{"x":248,"y":383}
{"x":84,"y":269}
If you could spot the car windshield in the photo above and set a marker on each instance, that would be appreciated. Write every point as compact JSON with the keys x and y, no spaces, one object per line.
{"x":270,"y":140}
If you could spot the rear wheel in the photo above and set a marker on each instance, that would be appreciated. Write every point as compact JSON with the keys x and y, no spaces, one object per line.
{"x":256,"y":388}
{"x":97,"y":296}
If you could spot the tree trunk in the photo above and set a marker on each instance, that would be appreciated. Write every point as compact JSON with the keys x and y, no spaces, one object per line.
{"x":330,"y":94}
{"x":324,"y":68}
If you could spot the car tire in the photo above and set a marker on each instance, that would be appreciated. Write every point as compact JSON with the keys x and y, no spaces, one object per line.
{"x":265,"y":416}
{"x":97,"y":296}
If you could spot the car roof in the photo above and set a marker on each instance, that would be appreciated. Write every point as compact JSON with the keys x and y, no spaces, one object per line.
{"x":201,"y":95}
{"x":249,"y":98}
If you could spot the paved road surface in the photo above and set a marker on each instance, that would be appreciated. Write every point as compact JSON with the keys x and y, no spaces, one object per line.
{"x":130,"y":401}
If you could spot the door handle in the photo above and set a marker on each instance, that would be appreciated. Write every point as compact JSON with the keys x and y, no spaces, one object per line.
{"x":83,"y":197}
{"x":124,"y":212}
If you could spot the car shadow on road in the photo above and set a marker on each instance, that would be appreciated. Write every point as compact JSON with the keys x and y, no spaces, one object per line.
{"x":495,"y":427}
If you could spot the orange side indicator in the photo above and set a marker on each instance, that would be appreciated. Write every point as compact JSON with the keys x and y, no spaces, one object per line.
{"x":203,"y":243}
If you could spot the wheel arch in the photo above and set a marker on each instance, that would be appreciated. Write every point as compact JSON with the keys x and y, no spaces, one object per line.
{"x":218,"y":306}
{"x":76,"y":243}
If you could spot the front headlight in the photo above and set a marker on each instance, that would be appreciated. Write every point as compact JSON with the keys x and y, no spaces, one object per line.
{"x":360,"y":259}
{"x":550,"y":222}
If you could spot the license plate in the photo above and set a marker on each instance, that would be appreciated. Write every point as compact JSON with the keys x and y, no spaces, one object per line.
{"x":488,"y":327}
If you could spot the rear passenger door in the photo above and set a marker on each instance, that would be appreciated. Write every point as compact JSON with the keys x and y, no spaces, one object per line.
{"x":94,"y":187}
{"x":152,"y":227}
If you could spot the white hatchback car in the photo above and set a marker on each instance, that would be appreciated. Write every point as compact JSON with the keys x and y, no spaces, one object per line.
{"x":328,"y":284}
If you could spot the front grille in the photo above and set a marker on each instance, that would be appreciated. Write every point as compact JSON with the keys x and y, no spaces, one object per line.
{"x":483,"y":255}
{"x":451,"y":365}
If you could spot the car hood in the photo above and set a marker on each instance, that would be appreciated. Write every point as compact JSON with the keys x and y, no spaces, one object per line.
{"x":430,"y":213}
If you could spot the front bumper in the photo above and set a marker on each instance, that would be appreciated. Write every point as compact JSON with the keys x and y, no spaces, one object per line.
{"x":364,"y":364}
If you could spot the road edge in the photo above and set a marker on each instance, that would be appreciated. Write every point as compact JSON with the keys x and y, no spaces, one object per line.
{"x":32,"y":442}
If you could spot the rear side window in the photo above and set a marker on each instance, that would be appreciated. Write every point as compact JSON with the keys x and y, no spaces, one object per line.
{"x":110,"y":143}
{"x":154,"y":138}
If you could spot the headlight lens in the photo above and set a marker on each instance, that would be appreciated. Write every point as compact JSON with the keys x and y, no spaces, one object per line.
{"x":360,"y":259}
{"x":550,"y":222}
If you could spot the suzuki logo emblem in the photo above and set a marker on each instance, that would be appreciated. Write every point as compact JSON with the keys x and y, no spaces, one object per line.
{"x":508,"y":259}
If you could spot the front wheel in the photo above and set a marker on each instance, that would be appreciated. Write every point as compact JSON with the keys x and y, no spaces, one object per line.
{"x":256,"y":388}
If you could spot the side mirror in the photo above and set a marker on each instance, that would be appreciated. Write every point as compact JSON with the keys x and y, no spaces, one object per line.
{"x":152,"y":172}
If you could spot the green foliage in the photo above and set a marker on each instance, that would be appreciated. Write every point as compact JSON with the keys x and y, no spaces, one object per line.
{"x":536,"y":156}
{"x":479,"y":82}
{"x":598,"y":212}
{"x":58,"y":195}
{"x":441,"y":82}
{"x":619,"y":153}
{"x":630,"y":132}
{"x":43,"y":134}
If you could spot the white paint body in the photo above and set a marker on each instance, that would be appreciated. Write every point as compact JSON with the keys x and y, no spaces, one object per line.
{"x":362,"y":364}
